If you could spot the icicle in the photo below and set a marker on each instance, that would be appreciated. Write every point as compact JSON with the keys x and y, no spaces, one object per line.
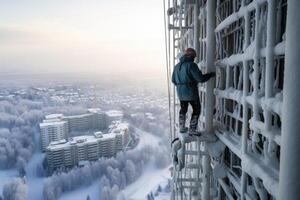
{"x":240,"y":79}
{"x":260,"y":190}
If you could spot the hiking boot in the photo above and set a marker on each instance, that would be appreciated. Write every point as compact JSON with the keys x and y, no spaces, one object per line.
{"x":194,"y":132}
{"x":182,"y":127}
{"x":193,"y":123}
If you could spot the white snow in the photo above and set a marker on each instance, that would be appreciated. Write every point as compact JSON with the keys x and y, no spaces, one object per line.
{"x":150,"y":179}
{"x":82,"y":193}
{"x":256,"y":168}
{"x":146,"y":139}
{"x":35,"y":183}
{"x":259,"y":127}
{"x":54,"y":116}
{"x":273,"y":104}
{"x":114,"y":113}
{"x":230,"y":93}
{"x":235,"y":16}
{"x":7,"y":176}
{"x":280,"y":48}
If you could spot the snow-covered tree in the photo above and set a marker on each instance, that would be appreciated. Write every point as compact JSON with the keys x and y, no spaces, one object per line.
{"x":15,"y":190}
{"x":104,"y":182}
{"x":105,"y":193}
{"x":21,"y":163}
{"x":130,"y":171}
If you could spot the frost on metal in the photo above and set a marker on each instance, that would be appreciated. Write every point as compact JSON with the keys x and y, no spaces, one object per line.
{"x":248,"y":53}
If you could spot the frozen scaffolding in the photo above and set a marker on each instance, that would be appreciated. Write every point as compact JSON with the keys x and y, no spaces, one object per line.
{"x":244,"y":42}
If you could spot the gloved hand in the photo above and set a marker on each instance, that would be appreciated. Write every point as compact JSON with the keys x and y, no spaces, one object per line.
{"x":212,"y":74}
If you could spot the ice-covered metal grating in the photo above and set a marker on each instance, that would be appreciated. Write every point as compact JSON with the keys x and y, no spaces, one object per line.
{"x":249,"y":59}
{"x":250,"y":63}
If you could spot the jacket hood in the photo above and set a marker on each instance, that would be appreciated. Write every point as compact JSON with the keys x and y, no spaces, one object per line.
{"x":186,"y":59}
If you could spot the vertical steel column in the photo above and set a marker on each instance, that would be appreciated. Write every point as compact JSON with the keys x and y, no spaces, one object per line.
{"x":270,"y":67}
{"x":256,"y":59}
{"x":197,"y":47}
{"x":173,"y":63}
{"x":245,"y":104}
{"x":170,"y":71}
{"x":210,"y":62}
{"x":210,"y":59}
{"x":196,"y":29}
{"x":289,"y":184}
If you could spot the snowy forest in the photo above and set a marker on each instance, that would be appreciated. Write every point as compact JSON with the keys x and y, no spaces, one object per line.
{"x":20,"y":116}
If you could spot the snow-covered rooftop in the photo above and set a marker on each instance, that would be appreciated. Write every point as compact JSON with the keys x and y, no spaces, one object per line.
{"x":94,"y":110}
{"x":52,"y":123}
{"x":118,"y":127}
{"x":114,"y":113}
{"x":81,"y":140}
{"x":54,"y":116}
{"x":78,"y":116}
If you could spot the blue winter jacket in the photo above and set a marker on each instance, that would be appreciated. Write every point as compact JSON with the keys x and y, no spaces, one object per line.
{"x":186,"y":76}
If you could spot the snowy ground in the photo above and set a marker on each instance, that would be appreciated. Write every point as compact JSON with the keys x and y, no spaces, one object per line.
{"x":149,"y":181}
{"x":34,"y":183}
{"x":82,"y":193}
{"x":147,"y":139}
{"x":152,"y":176}
{"x":138,"y":190}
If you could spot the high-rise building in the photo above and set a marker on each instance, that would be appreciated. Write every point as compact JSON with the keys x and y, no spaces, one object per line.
{"x":56,"y":127}
{"x":122,"y":135}
{"x":87,"y":148}
{"x":114,"y":115}
{"x":53,"y":130}
{"x":94,"y":119}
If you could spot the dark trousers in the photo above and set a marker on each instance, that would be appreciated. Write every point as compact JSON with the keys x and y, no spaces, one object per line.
{"x":195,"y":115}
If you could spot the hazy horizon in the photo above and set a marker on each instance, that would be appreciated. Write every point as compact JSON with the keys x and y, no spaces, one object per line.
{"x":114,"y":37}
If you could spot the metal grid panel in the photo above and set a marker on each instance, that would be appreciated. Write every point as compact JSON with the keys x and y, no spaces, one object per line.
{"x":250,"y":40}
{"x":250,"y":78}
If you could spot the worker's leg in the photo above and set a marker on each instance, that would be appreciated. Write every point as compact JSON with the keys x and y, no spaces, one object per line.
{"x":195,"y":115}
{"x":182,"y":115}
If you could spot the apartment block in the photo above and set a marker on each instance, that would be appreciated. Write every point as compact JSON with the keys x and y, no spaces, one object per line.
{"x":52,"y":130}
{"x":87,"y":148}
{"x":56,"y":127}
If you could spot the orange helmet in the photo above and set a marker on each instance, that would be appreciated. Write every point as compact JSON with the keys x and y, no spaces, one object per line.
{"x":190,"y":52}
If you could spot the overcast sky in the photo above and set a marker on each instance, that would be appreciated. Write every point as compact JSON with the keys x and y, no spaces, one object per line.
{"x":94,"y":36}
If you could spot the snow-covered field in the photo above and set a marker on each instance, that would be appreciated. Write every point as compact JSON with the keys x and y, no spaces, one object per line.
{"x":149,"y":181}
{"x":138,"y":190}
{"x":151,"y":177}
{"x":34,"y":183}
{"x":92,"y":191}
{"x":147,"y":139}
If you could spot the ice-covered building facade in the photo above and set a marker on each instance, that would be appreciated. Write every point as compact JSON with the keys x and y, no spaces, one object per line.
{"x":252,"y":103}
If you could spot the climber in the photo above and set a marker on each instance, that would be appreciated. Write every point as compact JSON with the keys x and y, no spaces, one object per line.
{"x":185,"y":77}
